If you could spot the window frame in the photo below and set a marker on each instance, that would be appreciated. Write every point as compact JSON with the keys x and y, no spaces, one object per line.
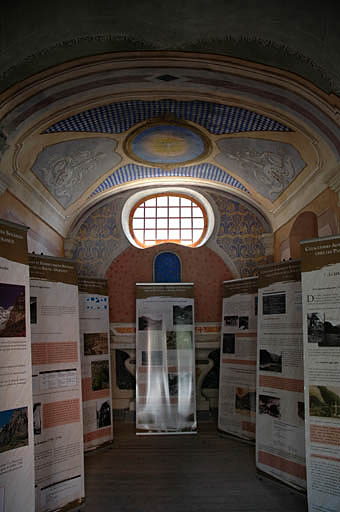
{"x":154,"y":195}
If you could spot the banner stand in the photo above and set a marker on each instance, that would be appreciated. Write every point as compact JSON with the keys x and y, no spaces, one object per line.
{"x":321,"y":332}
{"x":280,"y":425}
{"x":56,"y":376}
{"x":16,"y":407}
{"x":237,"y":386}
{"x":95,"y":361}
{"x":165,"y":359}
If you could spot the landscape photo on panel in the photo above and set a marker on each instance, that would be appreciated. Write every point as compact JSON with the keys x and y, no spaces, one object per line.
{"x":12,"y":311}
{"x":150,"y":322}
{"x":95,"y":343}
{"x":270,"y":362}
{"x":13,"y":429}
{"x":324,"y":328}
{"x":182,"y":315}
{"x":100,"y":375}
{"x":324,"y":401}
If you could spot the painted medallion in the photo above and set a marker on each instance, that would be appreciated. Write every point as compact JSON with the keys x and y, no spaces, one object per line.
{"x":166,"y":143}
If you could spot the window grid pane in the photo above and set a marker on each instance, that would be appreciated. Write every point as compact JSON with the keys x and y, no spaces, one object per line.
{"x":168,"y":218}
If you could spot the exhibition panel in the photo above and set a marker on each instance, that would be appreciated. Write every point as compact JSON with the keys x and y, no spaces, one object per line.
{"x":58,"y":422}
{"x":95,"y":361}
{"x":16,"y":407}
{"x":321,"y":329}
{"x":165,"y":358}
{"x":280,"y":444}
{"x":237,"y":390}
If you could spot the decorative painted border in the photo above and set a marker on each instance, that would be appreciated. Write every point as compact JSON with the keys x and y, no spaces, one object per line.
{"x":118,"y":117}
{"x":133,"y":172}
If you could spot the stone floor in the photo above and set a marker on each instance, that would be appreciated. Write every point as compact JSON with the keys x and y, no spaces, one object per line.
{"x":182,"y":473}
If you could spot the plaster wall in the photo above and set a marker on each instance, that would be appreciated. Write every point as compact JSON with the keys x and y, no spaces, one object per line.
{"x":327,"y":210}
{"x":202,"y":266}
{"x":40,"y":238}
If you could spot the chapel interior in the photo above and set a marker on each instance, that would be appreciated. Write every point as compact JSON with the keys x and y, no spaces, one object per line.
{"x":251,"y":92}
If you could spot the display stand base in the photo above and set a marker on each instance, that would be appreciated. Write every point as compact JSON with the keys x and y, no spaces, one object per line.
{"x":262,"y":474}
{"x":235,"y":437}
{"x":73,"y":507}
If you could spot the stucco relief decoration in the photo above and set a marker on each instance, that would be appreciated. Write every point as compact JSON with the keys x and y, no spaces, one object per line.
{"x":68,"y":168}
{"x":269,"y":166}
{"x":239,"y":235}
{"x":96,"y":239}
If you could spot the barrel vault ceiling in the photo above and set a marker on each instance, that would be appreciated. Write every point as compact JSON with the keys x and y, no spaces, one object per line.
{"x":75,"y":134}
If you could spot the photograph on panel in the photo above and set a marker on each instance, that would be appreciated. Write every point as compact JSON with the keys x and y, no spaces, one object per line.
{"x":270,"y":362}
{"x":103,"y":413}
{"x":243,"y":322}
{"x":34,"y":309}
{"x":37,"y":418}
{"x":270,"y":405}
{"x":95,"y":343}
{"x":12,"y":311}
{"x":150,"y":322}
{"x":245,"y":400}
{"x":324,"y":401}
{"x":324,"y":328}
{"x":301,"y":411}
{"x":274,"y":303}
{"x":231,"y":321}
{"x":228,"y":344}
{"x":152,"y":358}
{"x":179,"y":340}
{"x":100,"y":375}
{"x":13,"y":429}
{"x":182,"y":315}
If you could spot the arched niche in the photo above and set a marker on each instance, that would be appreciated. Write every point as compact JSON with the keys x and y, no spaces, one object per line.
{"x":305,"y":226}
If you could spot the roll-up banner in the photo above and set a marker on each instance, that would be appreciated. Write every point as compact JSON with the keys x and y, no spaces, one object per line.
{"x":95,"y":361}
{"x":237,"y":391}
{"x":16,"y":407}
{"x":321,"y":329}
{"x":57,"y":400}
{"x":280,"y":443}
{"x":165,"y":359}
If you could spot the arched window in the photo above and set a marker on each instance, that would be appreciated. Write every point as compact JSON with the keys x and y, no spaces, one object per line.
{"x":167,"y":215}
{"x":167,"y":268}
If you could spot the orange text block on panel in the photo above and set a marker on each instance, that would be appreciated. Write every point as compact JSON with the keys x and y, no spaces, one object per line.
{"x":61,"y":413}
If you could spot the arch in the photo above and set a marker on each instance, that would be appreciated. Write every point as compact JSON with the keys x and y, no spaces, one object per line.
{"x":167,"y":268}
{"x":305,"y":226}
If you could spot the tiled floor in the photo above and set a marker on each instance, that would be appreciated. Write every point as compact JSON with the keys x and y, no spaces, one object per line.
{"x":188,"y":473}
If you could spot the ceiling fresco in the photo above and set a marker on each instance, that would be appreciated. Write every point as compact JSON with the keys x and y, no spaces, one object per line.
{"x":133,"y":172}
{"x":68,"y":168}
{"x":167,"y":143}
{"x":94,"y":128}
{"x":269,"y":166}
{"x":119,"y":117}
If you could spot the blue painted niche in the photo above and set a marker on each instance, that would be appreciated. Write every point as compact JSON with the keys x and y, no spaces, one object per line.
{"x":167,"y":268}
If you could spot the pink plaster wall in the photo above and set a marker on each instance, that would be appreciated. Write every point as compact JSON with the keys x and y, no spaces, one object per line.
{"x":202,"y":266}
